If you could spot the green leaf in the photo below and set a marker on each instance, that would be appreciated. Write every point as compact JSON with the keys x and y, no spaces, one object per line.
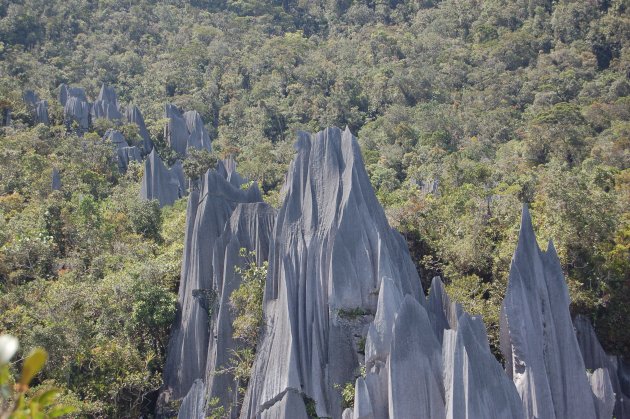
{"x":60,"y":411}
{"x":32,"y":365}
{"x":47,"y":397}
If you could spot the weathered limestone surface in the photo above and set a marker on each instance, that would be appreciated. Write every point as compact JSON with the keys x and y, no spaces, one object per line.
{"x":66,"y":92}
{"x":409,"y":379}
{"x":603,"y":393}
{"x":595,"y":358}
{"x":76,"y":108}
{"x":290,"y":405}
{"x":197,"y":135}
{"x":379,"y":335}
{"x":209,"y":209}
{"x":249,"y":228}
{"x":537,"y":337}
{"x":194,"y":404}
{"x":185,"y":131}
{"x":331,"y":248}
{"x":443,"y":312}
{"x":475,"y":383}
{"x":159,"y":182}
{"x":134,"y":116}
{"x":126,"y":153}
{"x":37,"y":107}
{"x":362,"y":404}
{"x":337,"y":271}
{"x":415,"y":378}
{"x":56,"y":180}
{"x":116,"y":138}
{"x":175,"y":131}
{"x":106,"y":105}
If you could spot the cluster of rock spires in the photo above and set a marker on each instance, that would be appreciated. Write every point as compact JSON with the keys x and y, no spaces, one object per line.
{"x":222,"y":218}
{"x":37,"y":107}
{"x":185,"y":131}
{"x":343,"y":303}
{"x":182,"y":132}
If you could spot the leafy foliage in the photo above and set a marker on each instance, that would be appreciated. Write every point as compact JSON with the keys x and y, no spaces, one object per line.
{"x":464,"y":110}
{"x":246,"y":303}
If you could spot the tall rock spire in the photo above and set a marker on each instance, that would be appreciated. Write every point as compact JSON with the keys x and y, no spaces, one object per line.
{"x":331,"y":249}
{"x":209,"y":211}
{"x":161,"y":183}
{"x":537,"y":336}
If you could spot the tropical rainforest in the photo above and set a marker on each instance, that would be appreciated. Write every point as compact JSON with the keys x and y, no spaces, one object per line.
{"x":464,"y":110}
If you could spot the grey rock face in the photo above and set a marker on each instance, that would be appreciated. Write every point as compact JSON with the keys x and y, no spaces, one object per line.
{"x":30,"y":98}
{"x":250,"y":228}
{"x":331,"y":249}
{"x":379,"y":336}
{"x":187,"y":131}
{"x":106,"y":105}
{"x":66,"y":92}
{"x":5,"y":117}
{"x":194,"y":404}
{"x":175,"y":132}
{"x":430,"y":363}
{"x":126,"y":154}
{"x":209,"y":209}
{"x":444,"y":313}
{"x":134,"y":116}
{"x":198,"y":136}
{"x":537,"y":336}
{"x":416,"y":386}
{"x":595,"y":358}
{"x":291,"y":405}
{"x":116,"y":138}
{"x":56,"y":180}
{"x":76,"y":108}
{"x":476,"y":385}
{"x":37,"y":107}
{"x":362,"y":403}
{"x":41,"y":112}
{"x":603,"y":392}
{"x":159,"y":182}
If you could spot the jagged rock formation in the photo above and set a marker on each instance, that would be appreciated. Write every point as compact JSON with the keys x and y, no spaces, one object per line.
{"x":476,"y":385}
{"x":134,"y":116}
{"x":161,"y":183}
{"x":537,"y":336}
{"x":124,"y":152}
{"x":432,"y":362}
{"x":198,"y":136}
{"x":443,"y":312}
{"x":106,"y":105}
{"x":55,"y":180}
{"x":338,"y":272}
{"x":595,"y":358}
{"x":184,"y":132}
{"x":37,"y":107}
{"x":414,"y":365}
{"x":331,"y":248}
{"x":194,"y":404}
{"x":426,"y":186}
{"x":116,"y":138}
{"x":219,"y":221}
{"x":76,"y":108}
{"x":250,"y":228}
{"x":5,"y":117}
{"x":125,"y":155}
{"x":603,"y":392}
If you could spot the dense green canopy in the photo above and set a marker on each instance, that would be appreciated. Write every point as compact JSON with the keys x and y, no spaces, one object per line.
{"x":464,"y":109}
